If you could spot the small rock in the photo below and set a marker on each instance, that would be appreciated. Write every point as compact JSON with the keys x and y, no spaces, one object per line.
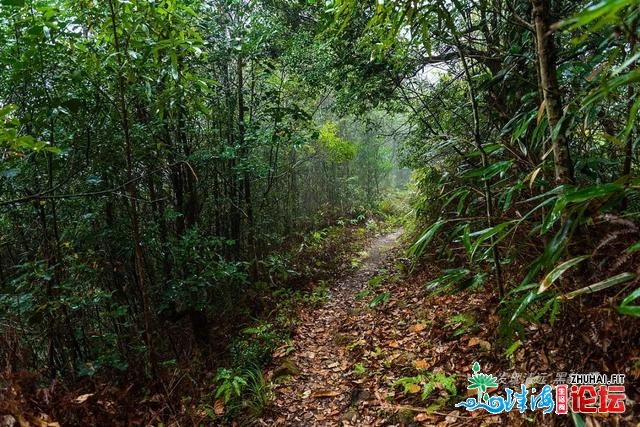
{"x":286,"y":368}
{"x":406,"y":415}
{"x":350,"y":415}
{"x":359,"y":395}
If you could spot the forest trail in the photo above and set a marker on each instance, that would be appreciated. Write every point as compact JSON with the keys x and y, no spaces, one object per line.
{"x":324,"y":390}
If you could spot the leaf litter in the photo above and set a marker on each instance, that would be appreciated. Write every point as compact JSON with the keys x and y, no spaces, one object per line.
{"x":351,"y":355}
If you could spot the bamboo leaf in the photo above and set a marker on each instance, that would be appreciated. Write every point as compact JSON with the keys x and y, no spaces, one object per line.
{"x":533,"y":177}
{"x":559,"y":271}
{"x":631,"y":310}
{"x":592,"y":192}
{"x":420,"y":245}
{"x":604,"y":284}
{"x":531,"y":296}
{"x":555,"y":214}
{"x":490,"y":171}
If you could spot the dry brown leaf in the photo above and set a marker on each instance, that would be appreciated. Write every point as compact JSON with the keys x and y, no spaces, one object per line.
{"x":218,"y":407}
{"x":414,"y":388}
{"x":599,"y":415}
{"x":394,"y":344}
{"x":452,"y":418}
{"x":325,"y":393}
{"x":421,"y":417}
{"x":421,"y":364}
{"x":485,"y":345}
{"x":44,"y":421}
{"x":418,"y":327}
{"x":473,"y":341}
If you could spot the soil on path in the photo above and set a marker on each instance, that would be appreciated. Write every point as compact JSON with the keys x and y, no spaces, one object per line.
{"x":324,"y":390}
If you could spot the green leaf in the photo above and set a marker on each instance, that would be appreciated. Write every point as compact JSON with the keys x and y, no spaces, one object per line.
{"x":630,"y":310}
{"x":558,"y":271}
{"x":488,"y":233}
{"x":578,"y":421}
{"x":593,"y":192}
{"x":7,"y":109}
{"x":555,"y":214}
{"x":490,"y":171}
{"x":380,"y":299}
{"x":512,"y":348}
{"x":604,"y":284}
{"x":531,"y":296}
{"x":633,"y":113}
{"x":449,"y":278}
{"x":417,"y":249}
{"x":600,"y":13}
{"x":17,"y":3}
{"x":633,"y":248}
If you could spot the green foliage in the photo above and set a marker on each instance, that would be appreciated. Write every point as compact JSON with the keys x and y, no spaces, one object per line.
{"x":457,"y":279}
{"x":213,"y":283}
{"x":244,"y":389}
{"x":254,"y":346}
{"x":428,"y":382}
{"x":339,"y":150}
{"x":359,"y":369}
{"x":380,"y":299}
{"x":601,"y":285}
{"x":419,"y":247}
{"x":461,"y":324}
{"x":157,"y":156}
{"x":626,"y":307}
{"x":157,"y":159}
{"x":229,"y":384}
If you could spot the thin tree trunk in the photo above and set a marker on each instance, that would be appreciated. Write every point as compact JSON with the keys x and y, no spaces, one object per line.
{"x":477,"y":139}
{"x":244,"y":153}
{"x":628,"y":152}
{"x":551,"y":91}
{"x":132,"y":193}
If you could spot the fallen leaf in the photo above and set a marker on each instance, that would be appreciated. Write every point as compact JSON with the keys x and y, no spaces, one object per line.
{"x":218,"y":407}
{"x":43,"y":420}
{"x":418,"y":327}
{"x":485,"y":345}
{"x":421,"y":417}
{"x":83,"y":398}
{"x":325,"y":393}
{"x":452,"y":418}
{"x":414,"y":388}
{"x":473,"y":341}
{"x":421,"y":364}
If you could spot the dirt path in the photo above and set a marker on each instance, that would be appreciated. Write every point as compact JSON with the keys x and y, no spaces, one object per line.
{"x":324,"y":391}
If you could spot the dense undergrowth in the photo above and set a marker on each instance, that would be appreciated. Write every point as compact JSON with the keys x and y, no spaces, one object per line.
{"x":218,"y":377}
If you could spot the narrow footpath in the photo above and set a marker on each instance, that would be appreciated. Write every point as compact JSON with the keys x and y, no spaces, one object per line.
{"x":324,"y":390}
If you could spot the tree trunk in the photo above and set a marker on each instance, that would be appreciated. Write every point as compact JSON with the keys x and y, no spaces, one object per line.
{"x":132,"y":193}
{"x":477,"y":139}
{"x":551,"y":91}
